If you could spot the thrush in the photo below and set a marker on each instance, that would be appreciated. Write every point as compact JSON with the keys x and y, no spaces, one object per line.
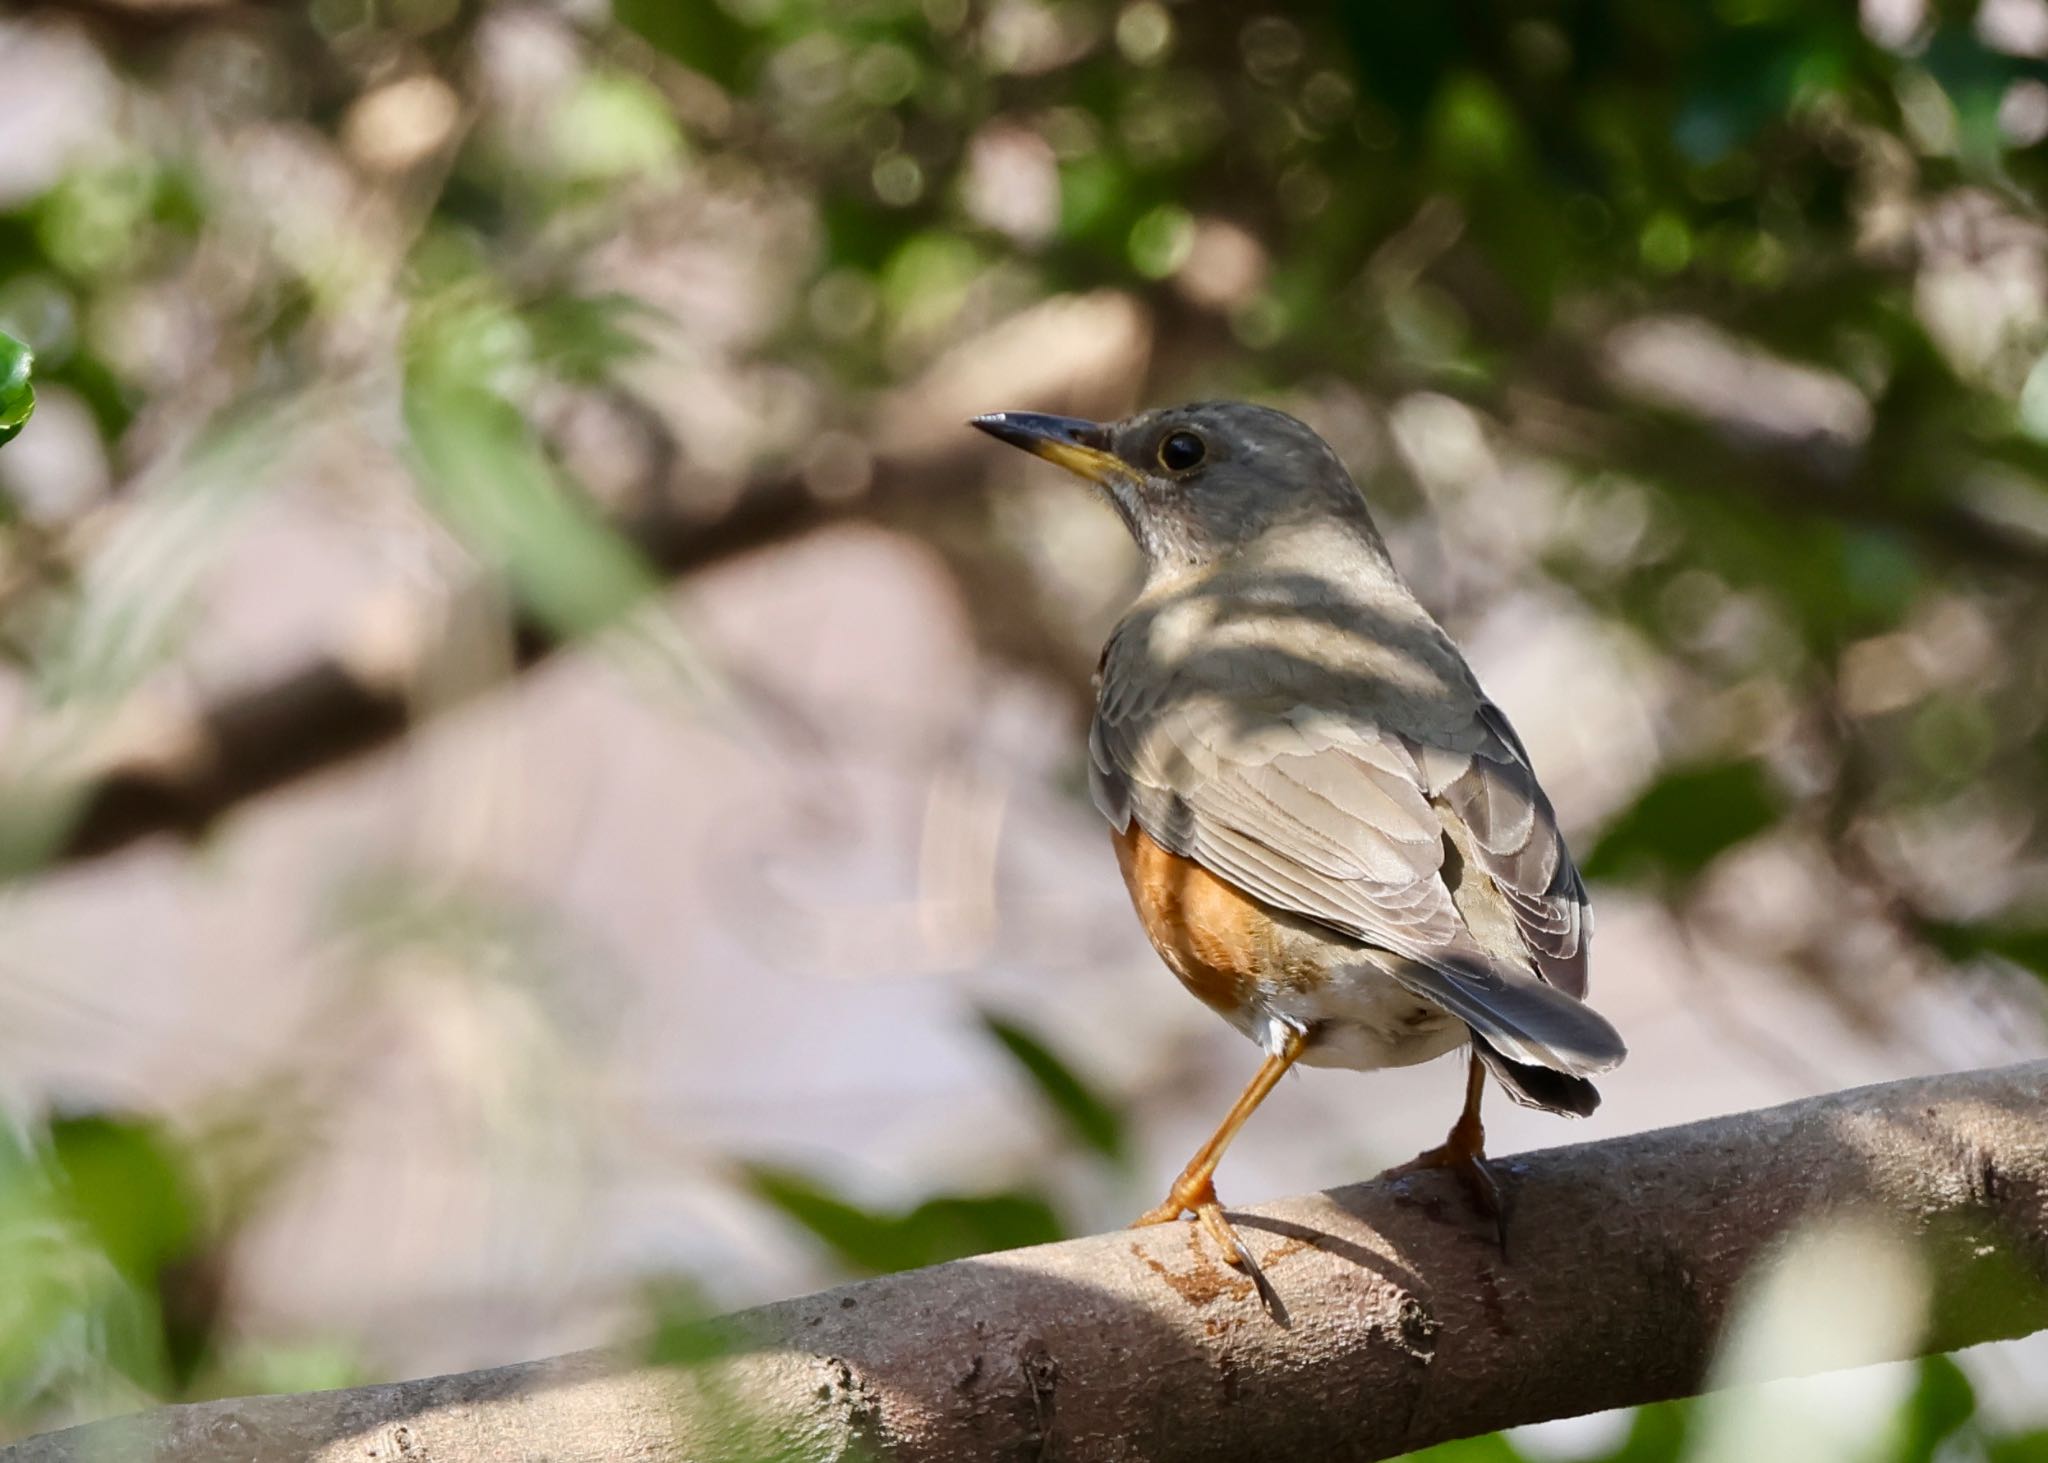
{"x":1330,"y":834}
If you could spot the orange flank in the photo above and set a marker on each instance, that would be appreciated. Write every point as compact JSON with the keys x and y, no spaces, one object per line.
{"x":1219,"y":941}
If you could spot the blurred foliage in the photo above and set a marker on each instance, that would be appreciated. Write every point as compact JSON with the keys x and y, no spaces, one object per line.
{"x":685,"y":1333}
{"x":1682,"y":822}
{"x":17,"y":392}
{"x":944,"y":1227}
{"x":1936,"y":1421}
{"x":1089,"y":1118}
{"x":2025,"y":946}
{"x":949,"y":1226}
{"x":102,"y":1238}
{"x":1808,"y":505}
{"x":866,"y":1241}
{"x":481,"y":469}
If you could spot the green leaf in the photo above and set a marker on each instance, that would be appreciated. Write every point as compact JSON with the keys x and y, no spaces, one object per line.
{"x":1487,"y":1448}
{"x":1095,"y":197}
{"x":684,"y":1330}
{"x":17,"y":392}
{"x":1941,"y":1402}
{"x":483,"y":472}
{"x":945,"y":1227}
{"x":584,"y":338}
{"x":1087,"y":1115}
{"x":612,"y":128}
{"x":73,"y":1321}
{"x":2023,"y":945}
{"x":2021,"y":1448}
{"x":273,"y":1365}
{"x":1683,"y":822}
{"x":129,"y":1185}
{"x":702,"y":34}
{"x":1657,"y":1434}
{"x":1475,"y":132}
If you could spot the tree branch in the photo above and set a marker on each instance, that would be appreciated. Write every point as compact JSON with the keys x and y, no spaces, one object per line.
{"x":1407,"y":1325}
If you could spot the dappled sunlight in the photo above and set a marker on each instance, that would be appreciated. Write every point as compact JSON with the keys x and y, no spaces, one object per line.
{"x":1840,"y":1295}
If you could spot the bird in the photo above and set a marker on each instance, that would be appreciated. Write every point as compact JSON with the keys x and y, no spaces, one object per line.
{"x":1329,"y":832}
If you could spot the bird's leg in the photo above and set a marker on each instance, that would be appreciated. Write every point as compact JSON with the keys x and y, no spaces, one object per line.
{"x":1464,"y":1153}
{"x":1195,"y":1190}
{"x":1196,"y":1187}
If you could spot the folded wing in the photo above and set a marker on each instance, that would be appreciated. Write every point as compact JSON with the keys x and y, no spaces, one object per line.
{"x":1340,"y":817}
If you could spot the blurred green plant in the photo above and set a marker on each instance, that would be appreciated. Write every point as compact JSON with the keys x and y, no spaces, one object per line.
{"x":875,"y":1242}
{"x":488,"y":475}
{"x":102,"y":1238}
{"x":1938,"y":1420}
{"x":952,"y":1226}
{"x":484,"y":471}
{"x":2024,"y":945}
{"x":684,"y":1333}
{"x":1087,"y":1117}
{"x":100,"y":635}
{"x":1682,"y":822}
{"x":17,"y":391}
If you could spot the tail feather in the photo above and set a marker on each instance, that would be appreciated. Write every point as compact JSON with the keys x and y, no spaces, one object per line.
{"x":1521,"y":1019}
{"x":1531,"y":1086}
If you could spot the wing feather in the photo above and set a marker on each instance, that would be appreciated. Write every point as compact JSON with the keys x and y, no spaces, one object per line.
{"x":1342,"y":818}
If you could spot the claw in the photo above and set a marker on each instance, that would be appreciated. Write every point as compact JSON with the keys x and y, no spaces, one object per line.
{"x":1240,"y":1254}
{"x":1464,"y":1153}
{"x":1195,"y":1189}
{"x":1200,"y":1200}
{"x":1474,"y":1174}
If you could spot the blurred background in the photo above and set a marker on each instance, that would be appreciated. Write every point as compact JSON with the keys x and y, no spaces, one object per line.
{"x":543,"y":764}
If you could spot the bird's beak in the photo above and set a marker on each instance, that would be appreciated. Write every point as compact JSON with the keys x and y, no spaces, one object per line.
{"x":1078,"y":446}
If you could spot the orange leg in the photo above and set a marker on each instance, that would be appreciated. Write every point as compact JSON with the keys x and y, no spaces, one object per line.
{"x":1195,"y":1190}
{"x":1464,"y":1153}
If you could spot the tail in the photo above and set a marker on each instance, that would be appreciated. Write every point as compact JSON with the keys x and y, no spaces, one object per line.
{"x":1557,"y":1092}
{"x":1539,"y":1043}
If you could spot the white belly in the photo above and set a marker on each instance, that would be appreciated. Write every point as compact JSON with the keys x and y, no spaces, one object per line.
{"x":1362,"y":1019}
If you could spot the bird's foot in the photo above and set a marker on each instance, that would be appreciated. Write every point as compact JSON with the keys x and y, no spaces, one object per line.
{"x":1466,"y":1159}
{"x":1199,"y":1198}
{"x":1187,"y":1196}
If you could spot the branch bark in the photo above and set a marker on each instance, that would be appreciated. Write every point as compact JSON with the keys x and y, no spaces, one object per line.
{"x":1407,"y":1326}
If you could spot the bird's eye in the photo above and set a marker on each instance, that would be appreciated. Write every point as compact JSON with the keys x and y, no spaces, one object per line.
{"x":1181,"y":451}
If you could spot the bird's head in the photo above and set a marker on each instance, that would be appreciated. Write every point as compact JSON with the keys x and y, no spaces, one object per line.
{"x":1194,"y":483}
